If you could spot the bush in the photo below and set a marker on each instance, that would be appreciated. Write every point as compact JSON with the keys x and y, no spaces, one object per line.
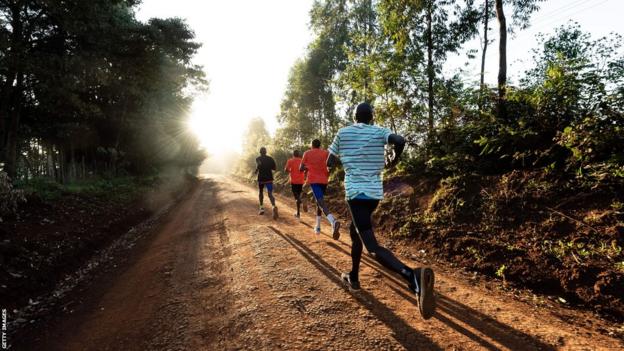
{"x":9,"y":197}
{"x":456,"y":199}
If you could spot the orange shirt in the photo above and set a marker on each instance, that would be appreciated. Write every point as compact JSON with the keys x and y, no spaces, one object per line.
{"x":315,"y":160}
{"x":292,"y":167}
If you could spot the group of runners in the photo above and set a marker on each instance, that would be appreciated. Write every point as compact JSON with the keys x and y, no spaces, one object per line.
{"x":360,"y":149}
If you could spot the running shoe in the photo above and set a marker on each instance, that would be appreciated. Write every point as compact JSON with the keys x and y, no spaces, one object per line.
{"x":422,"y":286}
{"x":336,"y":230}
{"x":261,"y":212}
{"x":275,"y":215}
{"x":352,"y":284}
{"x":317,"y":230}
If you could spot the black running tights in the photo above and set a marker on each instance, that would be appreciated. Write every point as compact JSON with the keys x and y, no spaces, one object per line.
{"x":361,"y":231}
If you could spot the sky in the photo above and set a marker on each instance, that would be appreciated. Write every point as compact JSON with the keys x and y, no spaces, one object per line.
{"x":249,"y":47}
{"x":598,"y":17}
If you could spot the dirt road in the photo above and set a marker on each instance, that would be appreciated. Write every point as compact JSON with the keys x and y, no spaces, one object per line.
{"x":216,"y":276}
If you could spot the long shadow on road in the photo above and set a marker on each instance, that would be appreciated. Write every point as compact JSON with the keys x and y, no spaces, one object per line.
{"x":455,"y":311}
{"x":407,"y":336}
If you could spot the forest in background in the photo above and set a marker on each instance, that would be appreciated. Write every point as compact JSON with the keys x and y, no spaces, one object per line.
{"x":87,"y":90}
{"x":93,"y":132}
{"x":521,"y":181}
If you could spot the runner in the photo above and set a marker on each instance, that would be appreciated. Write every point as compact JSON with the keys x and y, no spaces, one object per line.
{"x":297,"y":178}
{"x":265,"y":165}
{"x":314,"y":162}
{"x":360,"y":148}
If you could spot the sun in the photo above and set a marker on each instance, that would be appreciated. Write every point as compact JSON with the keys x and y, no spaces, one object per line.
{"x":216,"y":133}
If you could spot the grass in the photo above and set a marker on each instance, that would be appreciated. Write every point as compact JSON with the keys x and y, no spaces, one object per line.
{"x":119,"y":189}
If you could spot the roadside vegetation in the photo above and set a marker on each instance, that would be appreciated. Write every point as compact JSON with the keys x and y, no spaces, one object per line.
{"x":522,"y":181}
{"x":93,"y":132}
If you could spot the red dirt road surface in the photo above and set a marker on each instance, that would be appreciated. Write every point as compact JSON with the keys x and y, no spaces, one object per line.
{"x":216,"y":276}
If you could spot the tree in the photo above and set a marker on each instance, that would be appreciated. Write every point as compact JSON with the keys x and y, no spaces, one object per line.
{"x":429,"y":24}
{"x":308,"y":109}
{"x":522,"y":11}
{"x":89,"y":84}
{"x":486,"y":15}
{"x":255,"y":137}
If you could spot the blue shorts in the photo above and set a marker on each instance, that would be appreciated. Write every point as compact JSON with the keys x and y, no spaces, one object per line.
{"x":318,"y":190}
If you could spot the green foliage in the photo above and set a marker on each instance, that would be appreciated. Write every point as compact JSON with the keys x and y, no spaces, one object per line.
{"x":565,"y":117}
{"x":500,"y":272}
{"x":117,"y":188}
{"x":10,"y":198}
{"x":456,"y":199}
{"x":96,"y":86}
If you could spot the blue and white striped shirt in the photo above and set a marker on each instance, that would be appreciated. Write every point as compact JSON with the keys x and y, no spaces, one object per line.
{"x":360,"y":148}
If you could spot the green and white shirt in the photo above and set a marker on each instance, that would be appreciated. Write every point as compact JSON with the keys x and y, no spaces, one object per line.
{"x":360,"y":148}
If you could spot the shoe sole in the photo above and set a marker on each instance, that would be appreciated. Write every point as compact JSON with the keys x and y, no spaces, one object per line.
{"x":427,"y":303}
{"x":336,"y":233}
{"x":346,"y":282}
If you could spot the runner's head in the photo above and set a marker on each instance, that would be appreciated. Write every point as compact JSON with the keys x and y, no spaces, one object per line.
{"x":364,"y":113}
{"x":316,"y":144}
{"x":296,"y":153}
{"x":263,"y":150}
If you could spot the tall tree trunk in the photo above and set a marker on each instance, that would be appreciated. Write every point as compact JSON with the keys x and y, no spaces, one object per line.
{"x":62,"y":168}
{"x":430,"y":69}
{"x":502,"y":61}
{"x":12,"y":137}
{"x":367,"y":47}
{"x":486,"y":18}
{"x":50,"y":162}
{"x":10,"y":96}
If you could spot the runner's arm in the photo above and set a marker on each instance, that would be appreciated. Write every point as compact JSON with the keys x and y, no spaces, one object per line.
{"x":334,"y":149}
{"x":399,"y":144}
{"x":302,"y":167}
{"x":332,"y":161}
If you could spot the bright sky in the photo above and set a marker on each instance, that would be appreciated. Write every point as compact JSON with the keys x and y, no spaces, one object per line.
{"x":248,"y":49}
{"x":250,"y":45}
{"x":598,"y":17}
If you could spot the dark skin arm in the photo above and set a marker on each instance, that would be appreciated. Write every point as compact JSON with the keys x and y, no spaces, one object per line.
{"x":398,"y":143}
{"x":332,"y":161}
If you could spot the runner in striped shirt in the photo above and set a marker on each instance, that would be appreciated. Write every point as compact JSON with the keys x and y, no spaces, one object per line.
{"x":360,"y":148}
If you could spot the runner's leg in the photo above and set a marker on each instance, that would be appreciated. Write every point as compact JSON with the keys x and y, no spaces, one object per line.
{"x":319,"y":194}
{"x":269,"y":187}
{"x":261,"y":193}
{"x":296,"y":189}
{"x":361,"y":213}
{"x":356,"y":252}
